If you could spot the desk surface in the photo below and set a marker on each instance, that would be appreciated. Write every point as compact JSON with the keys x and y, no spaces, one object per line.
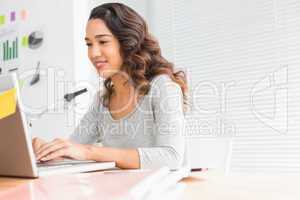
{"x":209,"y":185}
{"x":214,"y":185}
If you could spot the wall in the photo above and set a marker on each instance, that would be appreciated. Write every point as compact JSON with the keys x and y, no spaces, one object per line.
{"x":56,"y":56}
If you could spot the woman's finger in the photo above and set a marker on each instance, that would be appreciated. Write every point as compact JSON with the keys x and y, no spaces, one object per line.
{"x":51,"y":148}
{"x":43,"y":147}
{"x":46,"y":145}
{"x":56,"y":154}
{"x":37,"y":143}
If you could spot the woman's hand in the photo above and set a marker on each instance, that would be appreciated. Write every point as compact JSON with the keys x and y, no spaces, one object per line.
{"x":62,"y":148}
{"x":36,"y":144}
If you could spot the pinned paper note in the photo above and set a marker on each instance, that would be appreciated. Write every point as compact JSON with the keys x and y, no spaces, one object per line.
{"x":7,"y":103}
{"x":2,"y":19}
{"x":12,"y":16}
{"x":23,"y":14}
{"x":25,"y":41}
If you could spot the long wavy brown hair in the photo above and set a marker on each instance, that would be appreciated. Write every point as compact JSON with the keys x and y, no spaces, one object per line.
{"x":141,"y":53}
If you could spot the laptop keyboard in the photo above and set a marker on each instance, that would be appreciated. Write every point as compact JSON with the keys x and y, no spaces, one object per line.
{"x":53,"y":166}
{"x":63,"y":163}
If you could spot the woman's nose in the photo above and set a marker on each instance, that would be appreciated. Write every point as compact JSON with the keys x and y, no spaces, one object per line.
{"x":95,"y":51}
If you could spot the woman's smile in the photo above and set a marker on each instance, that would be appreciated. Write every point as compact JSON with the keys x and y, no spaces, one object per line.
{"x":100,"y":64}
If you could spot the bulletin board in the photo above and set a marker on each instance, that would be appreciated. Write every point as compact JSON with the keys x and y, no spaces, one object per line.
{"x":36,"y":41}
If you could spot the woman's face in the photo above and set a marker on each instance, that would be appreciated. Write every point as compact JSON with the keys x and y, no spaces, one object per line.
{"x":103,"y":48}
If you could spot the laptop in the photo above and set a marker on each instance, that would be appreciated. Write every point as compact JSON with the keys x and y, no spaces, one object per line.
{"x":16,"y":153}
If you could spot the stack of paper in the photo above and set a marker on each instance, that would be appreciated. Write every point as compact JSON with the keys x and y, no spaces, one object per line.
{"x":163,"y":184}
{"x":118,"y":184}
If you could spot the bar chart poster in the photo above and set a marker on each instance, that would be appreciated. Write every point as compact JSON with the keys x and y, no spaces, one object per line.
{"x":10,"y":49}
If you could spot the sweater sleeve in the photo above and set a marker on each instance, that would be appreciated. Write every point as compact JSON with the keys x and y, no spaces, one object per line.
{"x":169,"y":145}
{"x":87,"y":131}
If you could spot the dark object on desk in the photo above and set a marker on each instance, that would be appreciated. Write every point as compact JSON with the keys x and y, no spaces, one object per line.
{"x":36,"y":76}
{"x":70,"y":96}
{"x":198,"y":169}
{"x":13,"y":69}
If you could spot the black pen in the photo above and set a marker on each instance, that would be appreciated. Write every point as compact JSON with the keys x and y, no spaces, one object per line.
{"x":70,"y":96}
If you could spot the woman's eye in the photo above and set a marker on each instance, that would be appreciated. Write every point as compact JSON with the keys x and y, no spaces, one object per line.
{"x":88,"y":44}
{"x":103,"y":42}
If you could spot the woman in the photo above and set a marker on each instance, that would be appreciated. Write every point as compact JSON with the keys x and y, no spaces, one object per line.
{"x":140,"y":117}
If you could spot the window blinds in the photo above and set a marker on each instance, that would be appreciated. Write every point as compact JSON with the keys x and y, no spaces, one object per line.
{"x":243,"y":64}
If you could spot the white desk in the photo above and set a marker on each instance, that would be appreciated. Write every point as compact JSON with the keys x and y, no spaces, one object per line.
{"x":214,"y":185}
{"x":211,"y":185}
